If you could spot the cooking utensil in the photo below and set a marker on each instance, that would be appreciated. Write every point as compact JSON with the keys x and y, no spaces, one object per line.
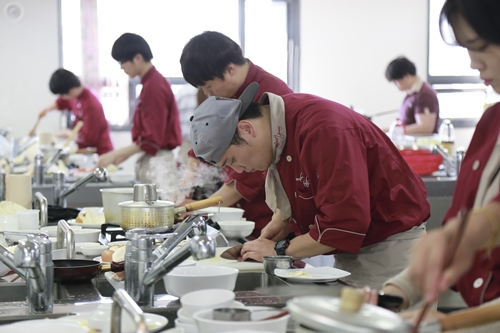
{"x":196,"y":205}
{"x":33,"y":130}
{"x":76,"y":270}
{"x":387,"y":301}
{"x":273,"y":262}
{"x":73,"y":133}
{"x":463,"y":319}
{"x":447,"y":261}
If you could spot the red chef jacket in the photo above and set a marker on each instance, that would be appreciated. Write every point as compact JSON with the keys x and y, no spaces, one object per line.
{"x":95,"y":130}
{"x":250,"y":185}
{"x":155,"y":124}
{"x":348,"y":185}
{"x":482,"y":282}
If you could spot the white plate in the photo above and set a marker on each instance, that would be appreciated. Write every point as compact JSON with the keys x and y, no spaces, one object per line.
{"x":318,"y":274}
{"x":45,"y":326}
{"x":154,"y":322}
{"x":85,"y":225}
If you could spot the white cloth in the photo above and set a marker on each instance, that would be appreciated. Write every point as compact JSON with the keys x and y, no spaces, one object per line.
{"x":275,"y":193}
{"x":376,"y":263}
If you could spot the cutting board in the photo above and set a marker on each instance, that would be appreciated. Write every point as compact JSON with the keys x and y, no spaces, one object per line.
{"x":218,"y":261}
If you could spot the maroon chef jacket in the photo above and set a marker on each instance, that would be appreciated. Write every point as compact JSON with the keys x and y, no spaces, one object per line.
{"x":482,"y":282}
{"x":95,"y":130}
{"x":155,"y":124}
{"x":250,"y":185}
{"x":348,"y":185}
{"x":416,"y":103}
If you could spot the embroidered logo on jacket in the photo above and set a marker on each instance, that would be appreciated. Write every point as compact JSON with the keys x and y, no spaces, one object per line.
{"x":305,"y":181}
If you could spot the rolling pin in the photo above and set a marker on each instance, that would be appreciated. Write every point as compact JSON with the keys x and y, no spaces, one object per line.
{"x":74,"y":132}
{"x":198,"y":205}
{"x":469,"y":318}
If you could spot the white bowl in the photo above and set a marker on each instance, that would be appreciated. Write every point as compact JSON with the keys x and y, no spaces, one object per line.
{"x":4,"y":269}
{"x":182,"y":280}
{"x":206,"y":299}
{"x":86,"y":235}
{"x":187,"y":318}
{"x":188,"y":328}
{"x":52,"y":229}
{"x":93,"y":250}
{"x":225,"y":213}
{"x":236,"y":229}
{"x":206,"y":323}
{"x":78,"y":246}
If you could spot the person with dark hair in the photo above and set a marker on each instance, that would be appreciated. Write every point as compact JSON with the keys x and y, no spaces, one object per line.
{"x":215,"y":63}
{"x":85,"y":106}
{"x":420,"y":110}
{"x":474,"y":268}
{"x":156,"y":129}
{"x":333,"y":178}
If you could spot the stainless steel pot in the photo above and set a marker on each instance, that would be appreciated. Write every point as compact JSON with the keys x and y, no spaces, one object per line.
{"x":140,"y":214}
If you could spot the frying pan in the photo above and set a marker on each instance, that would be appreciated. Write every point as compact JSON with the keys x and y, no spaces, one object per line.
{"x":76,"y":270}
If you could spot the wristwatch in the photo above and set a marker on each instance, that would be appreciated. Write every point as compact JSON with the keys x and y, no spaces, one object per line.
{"x":281,"y":245}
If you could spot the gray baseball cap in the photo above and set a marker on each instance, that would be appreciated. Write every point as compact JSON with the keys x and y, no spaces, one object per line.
{"x":215,"y":121}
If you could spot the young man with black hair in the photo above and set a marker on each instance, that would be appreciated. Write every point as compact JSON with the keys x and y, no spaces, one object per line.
{"x":215,"y":63}
{"x":420,"y":109}
{"x":156,"y":129}
{"x":85,"y":107}
{"x":333,"y":178}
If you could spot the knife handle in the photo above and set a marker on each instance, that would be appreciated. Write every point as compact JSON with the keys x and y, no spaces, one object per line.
{"x":470,"y":317}
{"x":390,"y":302}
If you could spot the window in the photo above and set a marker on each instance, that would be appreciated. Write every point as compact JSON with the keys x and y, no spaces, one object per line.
{"x":89,"y":29}
{"x":461,"y":94}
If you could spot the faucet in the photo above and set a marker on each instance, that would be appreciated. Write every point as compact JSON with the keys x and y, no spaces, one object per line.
{"x":42,"y":204}
{"x":66,"y":237}
{"x":143,"y":271}
{"x":34,"y":255}
{"x":60,"y":194}
{"x":122,"y":300}
{"x":17,"y":149}
{"x":452,"y":165}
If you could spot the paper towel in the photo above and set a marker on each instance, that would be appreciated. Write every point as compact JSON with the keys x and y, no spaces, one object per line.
{"x":18,"y":189}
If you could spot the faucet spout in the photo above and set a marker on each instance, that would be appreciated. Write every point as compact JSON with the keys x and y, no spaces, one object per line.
{"x":199,"y":247}
{"x":35,"y":256}
{"x":99,"y":174}
{"x":7,"y":258}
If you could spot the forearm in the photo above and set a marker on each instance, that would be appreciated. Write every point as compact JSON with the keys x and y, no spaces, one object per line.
{"x":128,"y":151}
{"x":482,"y":226}
{"x":419,"y":129}
{"x":401,"y":285}
{"x":488,"y":328}
{"x":229,"y":194}
{"x":304,"y":246}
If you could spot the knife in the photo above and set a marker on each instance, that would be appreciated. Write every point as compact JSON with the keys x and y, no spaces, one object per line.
{"x":388,"y":301}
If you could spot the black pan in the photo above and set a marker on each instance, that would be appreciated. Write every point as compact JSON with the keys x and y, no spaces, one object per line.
{"x":76,"y":270}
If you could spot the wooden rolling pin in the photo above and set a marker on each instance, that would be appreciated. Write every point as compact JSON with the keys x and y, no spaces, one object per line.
{"x":198,"y":205}
{"x":74,"y":132}
{"x":470,"y":318}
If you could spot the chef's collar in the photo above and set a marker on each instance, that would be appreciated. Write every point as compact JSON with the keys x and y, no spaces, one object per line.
{"x":416,"y":86}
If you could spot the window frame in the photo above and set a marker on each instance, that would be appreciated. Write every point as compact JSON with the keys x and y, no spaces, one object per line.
{"x":451,"y":84}
{"x":293,"y":33}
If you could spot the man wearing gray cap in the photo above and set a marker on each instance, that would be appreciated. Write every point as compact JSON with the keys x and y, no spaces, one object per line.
{"x":333,"y":178}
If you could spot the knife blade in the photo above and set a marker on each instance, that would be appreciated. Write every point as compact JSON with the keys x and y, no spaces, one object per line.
{"x":388,"y":301}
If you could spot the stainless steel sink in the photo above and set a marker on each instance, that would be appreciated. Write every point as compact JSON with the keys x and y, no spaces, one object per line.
{"x":16,"y":292}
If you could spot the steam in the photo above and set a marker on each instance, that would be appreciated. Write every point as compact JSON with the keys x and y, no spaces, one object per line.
{"x":177,"y":183}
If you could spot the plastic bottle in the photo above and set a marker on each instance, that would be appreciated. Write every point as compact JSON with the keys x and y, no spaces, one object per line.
{"x":447,"y":136}
{"x":397,"y":132}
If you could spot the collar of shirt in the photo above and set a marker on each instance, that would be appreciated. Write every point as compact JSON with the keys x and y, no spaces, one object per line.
{"x":252,"y":73}
{"x":148,"y":75}
{"x":416,"y":86}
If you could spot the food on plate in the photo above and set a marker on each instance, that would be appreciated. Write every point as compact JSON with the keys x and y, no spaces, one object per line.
{"x":115,"y":253}
{"x":9,"y":208}
{"x":112,"y":168}
{"x":299,"y":273}
{"x":88,"y":216}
